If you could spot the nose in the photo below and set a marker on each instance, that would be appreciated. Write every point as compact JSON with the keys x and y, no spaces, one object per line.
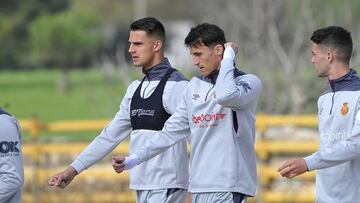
{"x":131,"y":49}
{"x":195,"y":61}
{"x":312,"y":60}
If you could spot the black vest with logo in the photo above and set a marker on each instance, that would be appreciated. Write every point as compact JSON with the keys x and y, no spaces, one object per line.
{"x":149,"y":113}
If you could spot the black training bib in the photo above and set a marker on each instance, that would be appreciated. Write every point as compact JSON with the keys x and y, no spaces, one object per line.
{"x":149,"y":113}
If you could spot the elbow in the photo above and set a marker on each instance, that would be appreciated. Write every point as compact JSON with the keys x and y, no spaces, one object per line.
{"x":226,"y":96}
{"x":354,"y":147}
{"x":15,"y":184}
{"x":225,"y":99}
{"x":18,"y":183}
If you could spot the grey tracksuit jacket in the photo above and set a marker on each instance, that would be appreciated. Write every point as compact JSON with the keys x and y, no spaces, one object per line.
{"x":11,"y":163}
{"x":218,"y":118}
{"x":169,"y":169}
{"x":338,"y":159}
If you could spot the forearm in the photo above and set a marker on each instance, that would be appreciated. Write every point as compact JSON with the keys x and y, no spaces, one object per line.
{"x":341,"y":152}
{"x":102,"y":145}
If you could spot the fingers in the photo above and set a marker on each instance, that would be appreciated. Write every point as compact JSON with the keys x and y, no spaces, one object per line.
{"x":292,"y":175}
{"x":118,"y":159}
{"x":286,"y":171}
{"x":52,"y":181}
{"x":233,"y":46}
{"x":284,"y":165}
{"x":56,"y":181}
{"x":118,"y":163}
{"x":293,"y":168}
{"x":119,"y":169}
{"x":61,"y":179}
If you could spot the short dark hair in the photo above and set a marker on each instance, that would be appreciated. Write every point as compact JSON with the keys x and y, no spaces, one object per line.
{"x":151,"y":26}
{"x":205,"y":33}
{"x":336,"y":38}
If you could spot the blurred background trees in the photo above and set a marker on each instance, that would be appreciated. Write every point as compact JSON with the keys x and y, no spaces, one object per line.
{"x":89,"y":34}
{"x":274,"y":36}
{"x":66,"y":40}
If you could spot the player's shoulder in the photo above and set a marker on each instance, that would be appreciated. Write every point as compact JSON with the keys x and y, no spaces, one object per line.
{"x":8,"y":123}
{"x":177,"y":76}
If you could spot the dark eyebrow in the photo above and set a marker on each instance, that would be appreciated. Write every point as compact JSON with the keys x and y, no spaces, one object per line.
{"x":136,"y":43}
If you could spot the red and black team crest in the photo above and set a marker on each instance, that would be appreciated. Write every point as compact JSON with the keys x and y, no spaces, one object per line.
{"x":344,"y":109}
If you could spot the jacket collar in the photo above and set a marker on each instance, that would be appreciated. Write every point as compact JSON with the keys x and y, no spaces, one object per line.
{"x":343,"y":81}
{"x":213,"y":76}
{"x":2,"y":111}
{"x":157,"y":71}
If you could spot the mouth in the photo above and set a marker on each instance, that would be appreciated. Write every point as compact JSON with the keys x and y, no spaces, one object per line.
{"x":134,"y":58}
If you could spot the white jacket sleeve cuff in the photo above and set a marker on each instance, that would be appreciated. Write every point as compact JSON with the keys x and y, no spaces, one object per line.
{"x":229,"y":53}
{"x":312,"y":162}
{"x":131,"y":161}
{"x":78,"y":166}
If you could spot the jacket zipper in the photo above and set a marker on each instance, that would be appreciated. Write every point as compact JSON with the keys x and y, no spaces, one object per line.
{"x":332,"y":102}
{"x":146,"y":87}
{"x":208,"y":92}
{"x":333,"y":96}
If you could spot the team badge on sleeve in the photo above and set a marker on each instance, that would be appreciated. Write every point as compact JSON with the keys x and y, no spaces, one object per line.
{"x":344,"y":109}
{"x":244,"y":85}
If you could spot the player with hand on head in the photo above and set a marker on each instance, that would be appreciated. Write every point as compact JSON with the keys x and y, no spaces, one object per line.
{"x":217,"y":113}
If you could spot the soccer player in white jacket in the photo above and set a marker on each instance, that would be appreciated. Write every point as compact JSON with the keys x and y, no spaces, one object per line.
{"x":147,"y":104}
{"x":11,"y":163}
{"x":338,"y":160}
{"x":217,"y":111}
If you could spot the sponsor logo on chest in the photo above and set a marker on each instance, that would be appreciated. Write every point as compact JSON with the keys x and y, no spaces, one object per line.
{"x":9,"y":148}
{"x":207,"y":120}
{"x":143,"y":112}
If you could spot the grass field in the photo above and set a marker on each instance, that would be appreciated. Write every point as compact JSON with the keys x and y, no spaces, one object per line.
{"x":91,"y":96}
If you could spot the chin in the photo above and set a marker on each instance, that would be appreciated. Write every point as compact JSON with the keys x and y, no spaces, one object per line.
{"x":322,"y":75}
{"x":137,"y":65}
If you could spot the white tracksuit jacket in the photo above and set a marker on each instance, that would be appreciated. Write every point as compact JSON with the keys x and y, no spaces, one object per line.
{"x":338,"y":159}
{"x":222,"y":159}
{"x":11,"y":163}
{"x":169,"y":169}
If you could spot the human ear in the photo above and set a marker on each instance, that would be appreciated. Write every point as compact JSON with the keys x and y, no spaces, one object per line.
{"x":219,"y":49}
{"x":330,"y":56}
{"x":158,"y":45}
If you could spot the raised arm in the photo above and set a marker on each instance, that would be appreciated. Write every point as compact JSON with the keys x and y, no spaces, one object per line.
{"x":234,"y":92}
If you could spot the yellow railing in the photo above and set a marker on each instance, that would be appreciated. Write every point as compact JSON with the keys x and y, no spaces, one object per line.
{"x":264,"y":149}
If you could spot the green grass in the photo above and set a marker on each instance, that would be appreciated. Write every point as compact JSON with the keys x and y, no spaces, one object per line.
{"x":91,"y":96}
{"x":34,"y":93}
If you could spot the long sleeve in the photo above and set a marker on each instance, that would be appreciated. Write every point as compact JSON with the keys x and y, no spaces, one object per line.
{"x":175,"y":129}
{"x":172,"y":95}
{"x":11,"y":165}
{"x":232,"y":93}
{"x":342,"y":151}
{"x":115,"y":132}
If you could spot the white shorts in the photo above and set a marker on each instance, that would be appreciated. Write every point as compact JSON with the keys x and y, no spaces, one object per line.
{"x":171,"y":195}
{"x":218,"y":197}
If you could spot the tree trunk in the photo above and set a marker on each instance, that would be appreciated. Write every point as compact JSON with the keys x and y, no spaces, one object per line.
{"x":63,"y":82}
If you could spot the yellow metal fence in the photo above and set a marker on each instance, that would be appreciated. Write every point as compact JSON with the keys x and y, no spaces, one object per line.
{"x":37,"y":175}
